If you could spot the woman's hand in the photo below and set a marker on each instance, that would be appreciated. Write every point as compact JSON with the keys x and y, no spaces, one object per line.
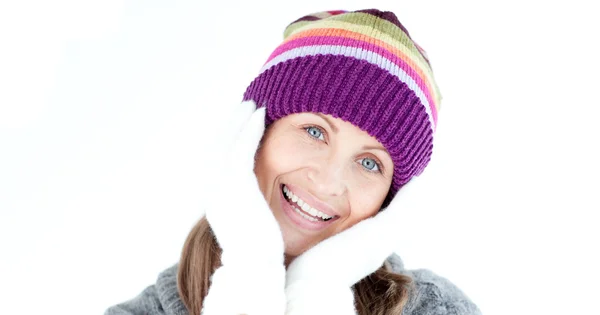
{"x":251,"y":279}
{"x":320,"y":280}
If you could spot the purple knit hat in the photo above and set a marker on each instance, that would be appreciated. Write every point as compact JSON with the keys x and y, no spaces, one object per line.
{"x":364,"y":68}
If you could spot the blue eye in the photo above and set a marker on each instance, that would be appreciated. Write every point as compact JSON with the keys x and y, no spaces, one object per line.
{"x":315,"y":133}
{"x":370,"y":164}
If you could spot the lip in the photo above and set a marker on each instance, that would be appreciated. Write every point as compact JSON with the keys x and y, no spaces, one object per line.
{"x":311,"y":200}
{"x":298,"y":220}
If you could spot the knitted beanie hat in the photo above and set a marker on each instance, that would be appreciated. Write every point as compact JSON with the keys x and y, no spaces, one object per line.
{"x":362,"y":67}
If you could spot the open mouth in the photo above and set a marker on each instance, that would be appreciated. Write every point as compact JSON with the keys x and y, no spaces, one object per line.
{"x":303,"y":208}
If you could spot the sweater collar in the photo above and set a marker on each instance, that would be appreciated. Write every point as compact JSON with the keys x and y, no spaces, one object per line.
{"x":168,"y":295}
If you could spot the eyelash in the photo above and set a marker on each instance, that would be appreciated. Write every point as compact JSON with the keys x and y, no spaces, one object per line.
{"x":377,"y":162}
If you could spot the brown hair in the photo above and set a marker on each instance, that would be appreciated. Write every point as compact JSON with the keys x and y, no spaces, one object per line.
{"x":381,"y":293}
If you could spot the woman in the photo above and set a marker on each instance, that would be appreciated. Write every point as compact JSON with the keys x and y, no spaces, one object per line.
{"x":303,"y":218}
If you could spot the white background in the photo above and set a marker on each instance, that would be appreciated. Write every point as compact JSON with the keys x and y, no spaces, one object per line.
{"x":109,"y":114}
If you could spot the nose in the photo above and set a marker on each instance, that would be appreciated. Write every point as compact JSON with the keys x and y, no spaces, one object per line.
{"x":327,"y":179}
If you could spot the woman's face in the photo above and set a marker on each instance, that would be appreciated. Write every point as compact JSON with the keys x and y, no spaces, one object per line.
{"x":320,"y":175}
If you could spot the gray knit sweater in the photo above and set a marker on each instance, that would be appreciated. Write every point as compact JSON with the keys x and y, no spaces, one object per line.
{"x":433,"y":295}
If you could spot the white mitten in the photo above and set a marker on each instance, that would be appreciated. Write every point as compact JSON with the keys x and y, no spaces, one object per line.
{"x":319,"y":281}
{"x":251,"y":279}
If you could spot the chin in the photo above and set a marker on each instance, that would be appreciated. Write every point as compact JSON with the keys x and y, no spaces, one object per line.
{"x":297,"y":243}
{"x":294,"y":250}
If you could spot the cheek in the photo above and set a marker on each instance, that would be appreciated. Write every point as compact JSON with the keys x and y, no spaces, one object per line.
{"x":286,"y":154}
{"x":366,"y":200}
{"x":275,"y":158}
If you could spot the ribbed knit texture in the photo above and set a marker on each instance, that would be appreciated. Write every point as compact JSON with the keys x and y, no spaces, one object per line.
{"x":364,"y":68}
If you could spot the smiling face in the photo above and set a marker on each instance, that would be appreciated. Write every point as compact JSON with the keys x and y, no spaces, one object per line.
{"x":320,"y":175}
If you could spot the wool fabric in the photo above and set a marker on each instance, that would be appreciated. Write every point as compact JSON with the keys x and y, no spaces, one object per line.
{"x":362,"y":67}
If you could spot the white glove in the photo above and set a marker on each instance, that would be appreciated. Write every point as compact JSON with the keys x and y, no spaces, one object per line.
{"x":251,"y":279}
{"x":320,"y":280}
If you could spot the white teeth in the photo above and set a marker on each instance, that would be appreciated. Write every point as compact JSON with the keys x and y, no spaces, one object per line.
{"x":305,"y":208}
{"x":305,"y":216}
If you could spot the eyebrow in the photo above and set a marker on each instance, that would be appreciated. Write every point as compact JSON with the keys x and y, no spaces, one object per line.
{"x":335,"y":129}
{"x":331,"y":124}
{"x":369,"y":147}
